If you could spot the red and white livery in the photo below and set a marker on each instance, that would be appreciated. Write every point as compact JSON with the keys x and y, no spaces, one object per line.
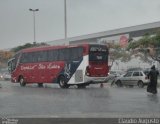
{"x":79,"y":65}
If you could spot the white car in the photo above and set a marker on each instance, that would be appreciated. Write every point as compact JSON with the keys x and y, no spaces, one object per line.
{"x":116,"y":73}
{"x":133,"y":78}
{"x":6,"y":76}
{"x":1,"y":76}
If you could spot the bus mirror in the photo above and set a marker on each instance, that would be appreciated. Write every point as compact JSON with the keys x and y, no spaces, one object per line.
{"x":9,"y":67}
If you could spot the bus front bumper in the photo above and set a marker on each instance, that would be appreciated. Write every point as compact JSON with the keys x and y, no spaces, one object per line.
{"x":13,"y":80}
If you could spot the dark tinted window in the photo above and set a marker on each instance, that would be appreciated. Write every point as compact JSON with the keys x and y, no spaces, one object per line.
{"x":140,"y":74}
{"x":98,"y":53}
{"x":70,"y":54}
{"x":25,"y":58}
{"x":15,"y":61}
{"x":34,"y":57}
{"x":67,"y":54}
{"x":76,"y":53}
{"x":136,"y":74}
{"x":52,"y":55}
{"x":128,"y":74}
{"x":41,"y":56}
{"x":64,"y":54}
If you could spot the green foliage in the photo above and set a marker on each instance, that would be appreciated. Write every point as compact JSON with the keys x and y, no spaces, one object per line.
{"x":148,"y":45}
{"x":4,"y":56}
{"x":133,"y":45}
{"x":27,"y":45}
{"x":126,"y":56}
{"x":120,"y":53}
{"x":146,"y":41}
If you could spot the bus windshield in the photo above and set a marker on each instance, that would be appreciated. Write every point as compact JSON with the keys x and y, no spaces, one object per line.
{"x":98,"y":53}
{"x":12,"y":63}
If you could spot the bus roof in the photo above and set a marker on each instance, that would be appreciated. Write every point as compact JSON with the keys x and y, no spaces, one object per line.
{"x":41,"y":48}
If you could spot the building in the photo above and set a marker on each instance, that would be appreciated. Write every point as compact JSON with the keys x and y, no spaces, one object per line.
{"x":122,"y":35}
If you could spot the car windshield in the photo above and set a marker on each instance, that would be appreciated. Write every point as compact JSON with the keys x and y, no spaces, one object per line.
{"x":128,"y":74}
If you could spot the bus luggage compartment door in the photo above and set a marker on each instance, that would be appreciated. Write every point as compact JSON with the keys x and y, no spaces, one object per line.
{"x":79,"y":76}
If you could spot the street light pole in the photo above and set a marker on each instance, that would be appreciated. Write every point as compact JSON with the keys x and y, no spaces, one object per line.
{"x":34,"y":27}
{"x":65,"y":19}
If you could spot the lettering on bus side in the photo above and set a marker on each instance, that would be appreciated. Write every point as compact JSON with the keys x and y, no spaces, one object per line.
{"x":40,"y":66}
{"x":28,"y":67}
{"x":50,"y":66}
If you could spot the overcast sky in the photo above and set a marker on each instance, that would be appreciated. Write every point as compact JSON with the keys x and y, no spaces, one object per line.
{"x":83,"y":17}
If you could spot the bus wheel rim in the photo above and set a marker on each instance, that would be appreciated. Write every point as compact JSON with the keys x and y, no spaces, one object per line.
{"x":62,"y":82}
{"x":21,"y":81}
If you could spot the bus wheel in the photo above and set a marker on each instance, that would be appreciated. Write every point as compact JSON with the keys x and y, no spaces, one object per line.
{"x":21,"y":81}
{"x":62,"y":82}
{"x":40,"y":84}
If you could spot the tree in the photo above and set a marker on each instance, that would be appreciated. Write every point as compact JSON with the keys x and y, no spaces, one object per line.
{"x":118,"y":53}
{"x":4,"y":56}
{"x":28,"y":45}
{"x":148,"y":47}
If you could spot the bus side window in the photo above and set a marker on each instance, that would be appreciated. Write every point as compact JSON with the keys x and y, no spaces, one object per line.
{"x":33,"y":57}
{"x":76,"y":53}
{"x":42,"y":56}
{"x":52,"y":55}
{"x":73,"y":53}
{"x":80,"y":52}
{"x":24,"y":58}
{"x":66,"y":54}
{"x":61,"y":54}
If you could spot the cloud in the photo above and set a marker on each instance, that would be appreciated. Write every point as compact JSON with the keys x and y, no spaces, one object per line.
{"x":91,"y":16}
{"x":83,"y":17}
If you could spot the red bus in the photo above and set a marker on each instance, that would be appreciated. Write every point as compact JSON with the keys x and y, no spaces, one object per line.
{"x":79,"y":65}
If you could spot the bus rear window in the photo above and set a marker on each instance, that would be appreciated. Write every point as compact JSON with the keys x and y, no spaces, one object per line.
{"x":98,"y":53}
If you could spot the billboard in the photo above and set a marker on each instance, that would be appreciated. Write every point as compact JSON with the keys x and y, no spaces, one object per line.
{"x":122,"y":40}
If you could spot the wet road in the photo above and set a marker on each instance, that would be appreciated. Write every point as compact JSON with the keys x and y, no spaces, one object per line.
{"x":51,"y":101}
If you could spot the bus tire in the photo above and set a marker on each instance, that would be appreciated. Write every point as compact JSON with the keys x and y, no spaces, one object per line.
{"x":62,"y":82}
{"x":22,"y":82}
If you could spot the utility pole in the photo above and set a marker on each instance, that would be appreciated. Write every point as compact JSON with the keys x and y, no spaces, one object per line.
{"x":34,"y":26}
